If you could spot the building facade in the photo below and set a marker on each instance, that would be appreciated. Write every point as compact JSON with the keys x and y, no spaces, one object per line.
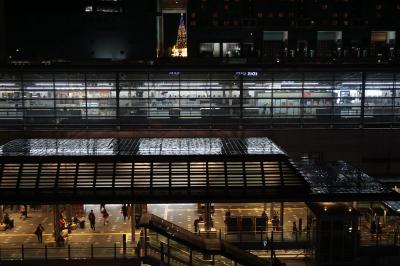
{"x":80,"y":30}
{"x":294,"y":29}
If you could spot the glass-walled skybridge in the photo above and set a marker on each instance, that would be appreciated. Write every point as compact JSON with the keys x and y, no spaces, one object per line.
{"x":198,"y":98}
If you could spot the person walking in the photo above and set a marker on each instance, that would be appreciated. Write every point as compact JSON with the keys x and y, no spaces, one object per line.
{"x":39,"y":233}
{"x":264,"y":219}
{"x":124,"y":211}
{"x":129,"y":210}
{"x":92,"y":220}
{"x":294,"y":229}
{"x":105,"y":216}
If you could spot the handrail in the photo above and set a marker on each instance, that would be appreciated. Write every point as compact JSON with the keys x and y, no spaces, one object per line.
{"x":171,"y":230}
{"x":68,"y":251}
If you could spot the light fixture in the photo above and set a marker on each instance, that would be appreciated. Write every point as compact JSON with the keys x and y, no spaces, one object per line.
{"x":325,"y":208}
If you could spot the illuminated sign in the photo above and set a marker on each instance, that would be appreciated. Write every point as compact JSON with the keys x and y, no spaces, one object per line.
{"x":247,"y":74}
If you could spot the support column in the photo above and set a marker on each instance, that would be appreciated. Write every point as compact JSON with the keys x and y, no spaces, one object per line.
{"x":133,"y":223}
{"x":160,"y":30}
{"x":1,"y":212}
{"x":281,"y":215}
{"x":207,"y":218}
{"x":56,"y":213}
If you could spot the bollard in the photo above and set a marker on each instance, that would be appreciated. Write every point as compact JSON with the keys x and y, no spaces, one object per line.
{"x":91,"y":251}
{"x":162,"y":252}
{"x":124,"y":244}
{"x":45,"y":252}
{"x":22,"y":252}
{"x":115,"y":251}
{"x":69,"y":251}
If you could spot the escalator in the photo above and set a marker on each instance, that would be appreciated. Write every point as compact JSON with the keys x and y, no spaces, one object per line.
{"x":182,"y":247}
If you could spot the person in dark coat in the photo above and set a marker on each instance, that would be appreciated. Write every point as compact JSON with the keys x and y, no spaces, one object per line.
{"x":39,"y":233}
{"x":92,"y":220}
{"x":124,"y":210}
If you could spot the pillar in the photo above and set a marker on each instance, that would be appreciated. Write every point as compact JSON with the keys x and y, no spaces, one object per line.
{"x":57,"y":213}
{"x":133,"y":223}
{"x":281,"y":215}
{"x":1,"y":212}
{"x":207,"y":218}
{"x":160,"y":30}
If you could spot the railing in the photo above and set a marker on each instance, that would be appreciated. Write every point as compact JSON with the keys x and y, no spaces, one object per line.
{"x":389,"y":239}
{"x":26,"y":252}
{"x":172,"y":253}
{"x":275,"y":236}
{"x":174,"y":232}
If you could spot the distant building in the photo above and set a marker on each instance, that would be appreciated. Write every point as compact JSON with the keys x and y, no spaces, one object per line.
{"x":293,"y":28}
{"x":80,"y":30}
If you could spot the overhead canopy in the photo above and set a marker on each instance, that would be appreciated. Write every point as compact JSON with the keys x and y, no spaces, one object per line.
{"x":157,"y":170}
{"x":148,"y":170}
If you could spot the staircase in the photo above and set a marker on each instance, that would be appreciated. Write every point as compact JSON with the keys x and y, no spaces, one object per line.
{"x":191,"y":249}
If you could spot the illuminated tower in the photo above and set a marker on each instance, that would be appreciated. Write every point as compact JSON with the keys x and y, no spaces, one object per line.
{"x":180,"y":48}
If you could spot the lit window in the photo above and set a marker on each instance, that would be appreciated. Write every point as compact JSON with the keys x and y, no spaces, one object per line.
{"x":88,"y":9}
{"x":210,"y":49}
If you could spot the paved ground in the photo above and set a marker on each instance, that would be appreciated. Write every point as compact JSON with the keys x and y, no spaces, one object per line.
{"x":108,"y":234}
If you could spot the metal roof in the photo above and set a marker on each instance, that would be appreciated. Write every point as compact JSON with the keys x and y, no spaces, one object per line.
{"x":172,"y":170}
{"x":338,"y":177}
{"x":157,"y":169}
{"x":140,"y":147}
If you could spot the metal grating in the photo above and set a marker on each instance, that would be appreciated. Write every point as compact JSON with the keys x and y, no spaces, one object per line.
{"x":139,"y":147}
{"x":151,"y":175}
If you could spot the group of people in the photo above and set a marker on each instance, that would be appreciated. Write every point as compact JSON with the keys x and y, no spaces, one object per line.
{"x":126,"y":211}
{"x":92,"y":217}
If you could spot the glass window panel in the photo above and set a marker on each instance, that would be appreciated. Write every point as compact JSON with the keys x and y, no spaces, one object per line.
{"x":287,"y":98}
{"x":164,"y":98}
{"x":133,"y":98}
{"x":39,"y":98}
{"x":70,"y":96}
{"x":10,"y":99}
{"x":347,"y":93}
{"x":225,"y":98}
{"x":318,"y":95}
{"x":379,"y":89}
{"x":397,"y":95}
{"x":210,"y":49}
{"x":257,"y":98}
{"x":101,"y":100}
